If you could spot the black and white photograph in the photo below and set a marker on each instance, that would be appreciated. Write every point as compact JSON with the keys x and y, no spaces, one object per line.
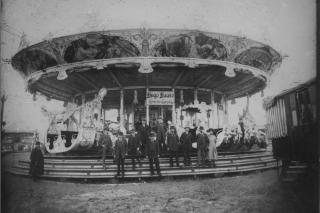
{"x":159,"y":106}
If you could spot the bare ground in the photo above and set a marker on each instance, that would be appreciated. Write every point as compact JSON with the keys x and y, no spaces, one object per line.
{"x":259,"y":192}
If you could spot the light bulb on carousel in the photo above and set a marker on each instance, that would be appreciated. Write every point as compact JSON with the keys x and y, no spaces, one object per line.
{"x":34,"y":96}
{"x":145,"y":66}
{"x":62,"y":74}
{"x":230,"y":72}
{"x":191,"y":64}
{"x":100,"y":65}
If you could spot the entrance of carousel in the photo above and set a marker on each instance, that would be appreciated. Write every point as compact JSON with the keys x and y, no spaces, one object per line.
{"x":155,"y":112}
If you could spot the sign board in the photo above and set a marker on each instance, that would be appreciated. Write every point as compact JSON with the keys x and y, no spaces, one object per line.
{"x":160,"y":98}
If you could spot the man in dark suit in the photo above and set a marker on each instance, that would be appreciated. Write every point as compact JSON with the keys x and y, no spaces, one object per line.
{"x":186,"y":140}
{"x":106,"y":143}
{"x":202,"y":146}
{"x":37,"y":162}
{"x":161,"y":135}
{"x":153,"y":153}
{"x":173,"y":145}
{"x":120,"y":151}
{"x":134,"y":144}
{"x":143,"y":132}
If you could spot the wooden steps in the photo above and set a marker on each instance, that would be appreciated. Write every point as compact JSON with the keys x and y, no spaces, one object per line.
{"x":86,"y":168}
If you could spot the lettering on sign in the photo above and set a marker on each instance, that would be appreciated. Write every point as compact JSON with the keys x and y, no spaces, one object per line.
{"x":160,"y":98}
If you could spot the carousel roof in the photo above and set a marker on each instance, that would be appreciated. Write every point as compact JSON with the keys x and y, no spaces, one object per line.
{"x":66,"y":67}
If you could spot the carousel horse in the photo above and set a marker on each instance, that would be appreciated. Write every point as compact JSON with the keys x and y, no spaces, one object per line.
{"x":61,"y":139}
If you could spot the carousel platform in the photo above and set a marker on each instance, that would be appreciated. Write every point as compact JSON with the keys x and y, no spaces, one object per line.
{"x":90,"y":167}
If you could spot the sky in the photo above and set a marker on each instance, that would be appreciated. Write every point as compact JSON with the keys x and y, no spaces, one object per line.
{"x":288,"y":26}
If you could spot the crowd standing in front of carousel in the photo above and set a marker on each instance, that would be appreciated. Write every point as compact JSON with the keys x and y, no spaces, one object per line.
{"x":146,"y":142}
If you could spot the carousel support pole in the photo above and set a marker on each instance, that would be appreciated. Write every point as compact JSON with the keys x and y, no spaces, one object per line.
{"x":196,"y":102}
{"x":121,"y":111}
{"x":196,"y":95}
{"x":212,"y":110}
{"x":73,"y":99}
{"x":248,"y":103}
{"x":173,"y":110}
{"x":147,"y":107}
{"x":218,"y":116}
{"x":225,"y":111}
{"x":103,"y":111}
{"x":162,"y":112}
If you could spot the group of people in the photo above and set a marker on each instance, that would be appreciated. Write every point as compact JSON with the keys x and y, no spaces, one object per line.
{"x":130,"y":148}
{"x":241,"y":138}
{"x":151,"y":142}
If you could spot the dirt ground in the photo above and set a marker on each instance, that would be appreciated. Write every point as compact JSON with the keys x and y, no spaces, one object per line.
{"x":259,"y":192}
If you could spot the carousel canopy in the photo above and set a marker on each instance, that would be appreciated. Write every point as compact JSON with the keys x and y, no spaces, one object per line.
{"x":66,"y":67}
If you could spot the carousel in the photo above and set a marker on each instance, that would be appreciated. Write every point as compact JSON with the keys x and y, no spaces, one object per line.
{"x":120,"y":77}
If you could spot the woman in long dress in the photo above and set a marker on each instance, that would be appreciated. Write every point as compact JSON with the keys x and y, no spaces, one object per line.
{"x":212,"y":149}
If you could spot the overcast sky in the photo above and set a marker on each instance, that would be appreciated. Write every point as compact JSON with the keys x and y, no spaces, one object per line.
{"x":287,"y":25}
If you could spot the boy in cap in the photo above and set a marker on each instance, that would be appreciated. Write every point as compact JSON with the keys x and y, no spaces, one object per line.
{"x":153,"y":152}
{"x":186,"y":140}
{"x":37,"y":162}
{"x":106,"y":143}
{"x":202,"y":146}
{"x":173,"y":145}
{"x":134,"y":144}
{"x":120,"y":151}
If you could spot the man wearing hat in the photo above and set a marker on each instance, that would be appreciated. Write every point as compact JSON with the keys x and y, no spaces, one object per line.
{"x":120,"y":150}
{"x":134,"y":144}
{"x":37,"y":162}
{"x":173,"y":145}
{"x":106,"y":143}
{"x":153,"y":152}
{"x":143,"y":132}
{"x":202,"y":145}
{"x":186,"y":142}
{"x":161,"y":135}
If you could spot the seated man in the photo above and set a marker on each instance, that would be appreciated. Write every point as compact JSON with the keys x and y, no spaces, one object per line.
{"x":153,"y":152}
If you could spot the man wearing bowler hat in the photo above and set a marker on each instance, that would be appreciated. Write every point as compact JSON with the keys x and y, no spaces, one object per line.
{"x":202,"y":146}
{"x":153,"y":152}
{"x":120,"y":150}
{"x":143,"y":132}
{"x":106,"y":143}
{"x":134,"y":144}
{"x":186,"y":140}
{"x":173,"y":145}
{"x":161,"y":135}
